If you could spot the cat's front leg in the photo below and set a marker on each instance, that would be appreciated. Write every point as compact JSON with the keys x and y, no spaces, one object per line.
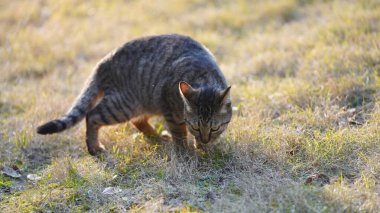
{"x":178,"y":130}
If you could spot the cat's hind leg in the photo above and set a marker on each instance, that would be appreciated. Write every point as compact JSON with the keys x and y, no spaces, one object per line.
{"x":109,"y":111}
{"x":94,"y":147}
{"x":142,"y":124}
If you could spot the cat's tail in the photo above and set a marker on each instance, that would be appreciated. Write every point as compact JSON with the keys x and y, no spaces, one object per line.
{"x":83,"y":104}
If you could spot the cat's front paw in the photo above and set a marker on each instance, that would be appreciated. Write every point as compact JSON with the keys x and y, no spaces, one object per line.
{"x":165,"y":136}
{"x":97,"y":150}
{"x":198,"y":145}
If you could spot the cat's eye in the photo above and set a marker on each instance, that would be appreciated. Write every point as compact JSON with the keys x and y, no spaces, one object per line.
{"x":194,"y":128}
{"x":214,"y":129}
{"x":191,"y":126}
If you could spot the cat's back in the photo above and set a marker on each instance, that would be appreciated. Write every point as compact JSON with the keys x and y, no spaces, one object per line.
{"x":156,"y":52}
{"x":155,"y":58}
{"x":162,"y":43}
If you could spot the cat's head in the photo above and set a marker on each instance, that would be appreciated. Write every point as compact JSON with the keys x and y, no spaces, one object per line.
{"x":207,"y":111}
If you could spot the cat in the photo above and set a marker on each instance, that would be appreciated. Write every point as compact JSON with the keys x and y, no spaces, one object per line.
{"x":172,"y":76}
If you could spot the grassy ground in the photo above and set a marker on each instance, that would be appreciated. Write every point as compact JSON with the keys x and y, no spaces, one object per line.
{"x":305,"y":134}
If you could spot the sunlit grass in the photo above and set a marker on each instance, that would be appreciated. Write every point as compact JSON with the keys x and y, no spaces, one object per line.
{"x":305,"y":79}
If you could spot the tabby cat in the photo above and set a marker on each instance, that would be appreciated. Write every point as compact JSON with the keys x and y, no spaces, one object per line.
{"x":169,"y":75}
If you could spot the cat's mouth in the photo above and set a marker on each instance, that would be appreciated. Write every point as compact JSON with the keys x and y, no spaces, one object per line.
{"x":198,"y":144}
{"x":203,"y":140}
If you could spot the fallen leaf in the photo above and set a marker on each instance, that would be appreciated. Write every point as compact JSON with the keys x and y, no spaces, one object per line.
{"x":111,"y":190}
{"x":11,"y":172}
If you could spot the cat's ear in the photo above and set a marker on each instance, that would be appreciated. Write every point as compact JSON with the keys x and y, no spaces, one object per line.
{"x":225,"y":95}
{"x":187,"y":92}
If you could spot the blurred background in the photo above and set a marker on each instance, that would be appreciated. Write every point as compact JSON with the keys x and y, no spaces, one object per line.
{"x":282,"y":38}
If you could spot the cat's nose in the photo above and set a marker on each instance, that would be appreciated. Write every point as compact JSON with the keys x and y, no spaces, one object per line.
{"x":205,"y":138}
{"x":205,"y":134}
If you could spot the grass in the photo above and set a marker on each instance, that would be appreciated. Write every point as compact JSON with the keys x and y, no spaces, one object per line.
{"x":305,"y":134}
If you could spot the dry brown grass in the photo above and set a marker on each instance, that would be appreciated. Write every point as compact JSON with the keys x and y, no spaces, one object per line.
{"x":305,"y":77}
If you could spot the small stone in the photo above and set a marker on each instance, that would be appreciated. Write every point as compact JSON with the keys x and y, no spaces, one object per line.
{"x":33,"y":177}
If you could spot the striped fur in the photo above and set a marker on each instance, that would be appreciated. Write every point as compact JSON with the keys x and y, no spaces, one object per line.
{"x":168,"y":75}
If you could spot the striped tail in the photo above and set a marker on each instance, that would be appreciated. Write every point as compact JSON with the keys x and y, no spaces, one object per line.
{"x":84,"y":103}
